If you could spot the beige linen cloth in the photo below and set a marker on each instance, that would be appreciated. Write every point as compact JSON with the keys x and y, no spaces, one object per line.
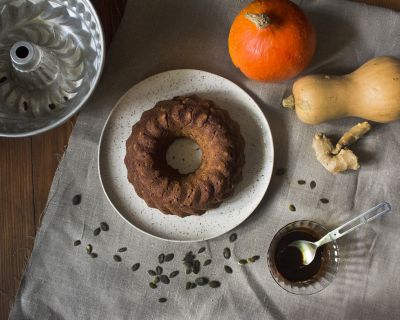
{"x":62,"y":282}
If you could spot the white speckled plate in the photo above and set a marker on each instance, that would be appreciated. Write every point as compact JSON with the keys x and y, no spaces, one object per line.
{"x":256,"y":174}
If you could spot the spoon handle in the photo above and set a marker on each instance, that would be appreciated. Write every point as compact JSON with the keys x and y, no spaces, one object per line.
{"x":353,"y":224}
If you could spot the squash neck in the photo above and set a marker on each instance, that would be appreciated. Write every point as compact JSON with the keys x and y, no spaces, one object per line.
{"x":261,"y":20}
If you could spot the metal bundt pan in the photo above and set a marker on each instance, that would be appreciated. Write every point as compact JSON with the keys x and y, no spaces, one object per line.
{"x":51,"y":58}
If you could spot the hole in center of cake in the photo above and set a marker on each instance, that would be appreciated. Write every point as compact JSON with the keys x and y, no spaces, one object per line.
{"x":184,"y":155}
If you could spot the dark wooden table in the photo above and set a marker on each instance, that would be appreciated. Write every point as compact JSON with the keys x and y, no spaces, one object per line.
{"x":27,"y":167}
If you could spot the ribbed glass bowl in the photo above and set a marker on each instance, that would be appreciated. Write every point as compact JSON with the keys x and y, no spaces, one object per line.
{"x":51,"y":58}
{"x":329,"y":266}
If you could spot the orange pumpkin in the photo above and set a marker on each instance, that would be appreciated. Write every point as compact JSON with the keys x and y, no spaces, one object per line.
{"x":271,"y":40}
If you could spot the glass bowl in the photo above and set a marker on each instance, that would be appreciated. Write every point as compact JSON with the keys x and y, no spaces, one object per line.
{"x":329,"y":266}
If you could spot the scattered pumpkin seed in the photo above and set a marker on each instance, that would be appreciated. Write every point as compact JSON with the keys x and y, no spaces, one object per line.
{"x":117,"y":258}
{"x":227,"y":253}
{"x":301,"y":182}
{"x":188,"y":285}
{"x":280,"y":171}
{"x":151,"y":273}
{"x":201,"y":281}
{"x":313,"y":184}
{"x":189,"y":257}
{"x":89,"y":248}
{"x":201,"y":250}
{"x":104,"y":226}
{"x":292,"y":207}
{"x":214,"y":284}
{"x":188,"y":270}
{"x":207,"y":262}
{"x":228,"y":269}
{"x":253,"y":259}
{"x":136,"y":266}
{"x":96,"y":231}
{"x":156,"y":279}
{"x":161,"y":258}
{"x":76,"y":199}
{"x":196,"y":266}
{"x":152,"y":285}
{"x":159,"y":270}
{"x":233,"y":237}
{"x":193,"y":285}
{"x":162,"y":300}
{"x":173,"y":274}
{"x":123,"y":249}
{"x":93,"y":255}
{"x":242,"y":261}
{"x":77,"y":243}
{"x":324,"y":200}
{"x":169,"y":257}
{"x":164,"y":279}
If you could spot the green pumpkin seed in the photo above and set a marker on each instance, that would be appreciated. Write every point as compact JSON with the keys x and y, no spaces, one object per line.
{"x":228,"y":269}
{"x":161,"y":258}
{"x":233,"y":237}
{"x":193,"y":285}
{"x":93,"y":255}
{"x":169,"y":257}
{"x":151,"y":273}
{"x":280,"y":171}
{"x":89,"y":248}
{"x":324,"y":200}
{"x":77,"y":243}
{"x":159,"y":270}
{"x":173,"y":274}
{"x":227,"y":253}
{"x":76,"y":199}
{"x":214,"y":284}
{"x":117,"y":258}
{"x":253,"y":259}
{"x":207,"y":262}
{"x":164,"y":279}
{"x":313,"y":184}
{"x":201,"y":281}
{"x":196,"y":266}
{"x":156,"y":279}
{"x":162,"y":300}
{"x":189,"y":257}
{"x":104,"y":226}
{"x":136,"y":266}
{"x":201,"y":250}
{"x":188,"y":270}
{"x":152,"y":285}
{"x":301,"y":182}
{"x":292,"y":207}
{"x":188,"y":285}
{"x":242,"y":261}
{"x":123,"y":249}
{"x":96,"y":231}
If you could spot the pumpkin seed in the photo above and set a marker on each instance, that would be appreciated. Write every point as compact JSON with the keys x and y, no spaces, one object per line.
{"x":188,"y":270}
{"x":151,"y":273}
{"x":117,"y":258}
{"x":96,"y":231}
{"x":169,"y":257}
{"x":136,"y":266}
{"x":201,"y":281}
{"x":188,"y":285}
{"x":214,"y":284}
{"x":152,"y":285}
{"x":156,"y":279}
{"x":164,"y":279}
{"x":196,"y":266}
{"x":324,"y":200}
{"x":313,"y":184}
{"x":77,"y":243}
{"x":161,"y":258}
{"x":201,"y":250}
{"x":93,"y":255}
{"x":104,"y":226}
{"x":233,"y":237}
{"x":280,"y":171}
{"x":193,"y":285}
{"x":89,"y":248}
{"x":76,"y":199}
{"x":123,"y":249}
{"x":159,"y":270}
{"x":301,"y":182}
{"x":242,"y":261}
{"x":207,"y":262}
{"x":253,"y":259}
{"x":227,"y":253}
{"x":173,"y":274}
{"x":162,"y":300}
{"x":228,"y":269}
{"x":189,"y":257}
{"x":292,"y":207}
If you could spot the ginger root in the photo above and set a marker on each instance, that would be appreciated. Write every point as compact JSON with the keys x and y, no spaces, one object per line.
{"x":339,"y":158}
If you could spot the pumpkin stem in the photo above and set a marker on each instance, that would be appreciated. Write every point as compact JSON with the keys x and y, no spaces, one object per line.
{"x":288,"y":102}
{"x":261,"y":20}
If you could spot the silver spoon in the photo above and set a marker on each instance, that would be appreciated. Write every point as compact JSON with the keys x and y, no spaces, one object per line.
{"x":308,"y":249}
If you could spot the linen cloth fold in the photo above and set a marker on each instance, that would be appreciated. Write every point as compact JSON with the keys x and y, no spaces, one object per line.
{"x":62,"y":282}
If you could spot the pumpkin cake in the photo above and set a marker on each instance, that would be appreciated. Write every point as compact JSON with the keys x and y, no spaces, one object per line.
{"x":162,"y":186}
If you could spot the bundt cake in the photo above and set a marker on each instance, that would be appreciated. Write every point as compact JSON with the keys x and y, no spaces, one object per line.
{"x":162,"y":186}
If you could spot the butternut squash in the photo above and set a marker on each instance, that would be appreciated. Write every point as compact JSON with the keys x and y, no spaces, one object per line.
{"x":371,"y":92}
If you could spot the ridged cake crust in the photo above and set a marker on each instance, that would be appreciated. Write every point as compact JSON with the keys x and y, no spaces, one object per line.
{"x":163,"y":187}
